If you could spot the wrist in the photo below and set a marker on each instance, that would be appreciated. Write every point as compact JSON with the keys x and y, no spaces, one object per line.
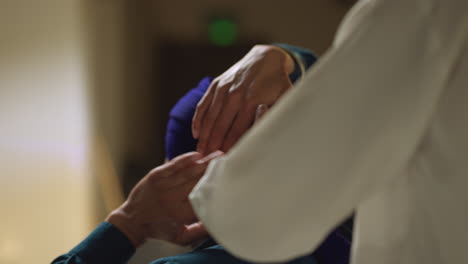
{"x":128,"y":225}
{"x":285,"y":58}
{"x":303,"y":59}
{"x":288,"y":59}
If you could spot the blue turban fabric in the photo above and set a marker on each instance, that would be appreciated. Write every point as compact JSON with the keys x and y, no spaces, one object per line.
{"x":179,"y":137}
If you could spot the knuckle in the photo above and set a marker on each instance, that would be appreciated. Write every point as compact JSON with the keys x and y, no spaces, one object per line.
{"x":216,"y":81}
{"x":222,"y":88}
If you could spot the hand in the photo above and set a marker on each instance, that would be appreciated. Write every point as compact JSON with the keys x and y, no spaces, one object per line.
{"x":158,"y":205}
{"x":229,"y":106}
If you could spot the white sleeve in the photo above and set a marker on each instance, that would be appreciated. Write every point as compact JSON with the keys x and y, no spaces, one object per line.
{"x":343,"y":133}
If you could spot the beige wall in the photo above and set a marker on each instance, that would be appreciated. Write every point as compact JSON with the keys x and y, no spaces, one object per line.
{"x":44,"y":130}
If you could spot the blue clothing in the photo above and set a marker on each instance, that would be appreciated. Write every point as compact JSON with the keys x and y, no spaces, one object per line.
{"x":179,"y":137}
{"x":106,"y":244}
{"x":334,"y":250}
{"x":217,"y":255}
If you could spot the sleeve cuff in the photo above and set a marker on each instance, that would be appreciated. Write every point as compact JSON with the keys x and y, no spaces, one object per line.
{"x":106,"y":244}
{"x":303,"y":59}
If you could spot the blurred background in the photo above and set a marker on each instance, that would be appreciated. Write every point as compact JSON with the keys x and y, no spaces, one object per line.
{"x":85,"y":91}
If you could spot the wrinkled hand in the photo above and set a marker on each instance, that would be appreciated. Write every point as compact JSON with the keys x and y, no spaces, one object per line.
{"x":229,"y":106}
{"x":158,"y":205}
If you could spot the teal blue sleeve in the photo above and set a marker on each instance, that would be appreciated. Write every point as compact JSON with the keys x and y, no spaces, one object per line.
{"x":301,"y":56}
{"x":106,"y":244}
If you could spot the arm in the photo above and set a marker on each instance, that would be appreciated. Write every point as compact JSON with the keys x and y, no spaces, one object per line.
{"x":345,"y":133}
{"x":157,"y":208}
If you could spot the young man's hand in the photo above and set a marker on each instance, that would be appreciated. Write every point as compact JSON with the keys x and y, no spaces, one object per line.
{"x":158,"y":205}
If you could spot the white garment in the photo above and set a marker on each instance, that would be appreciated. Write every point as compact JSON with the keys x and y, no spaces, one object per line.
{"x":380,"y":126}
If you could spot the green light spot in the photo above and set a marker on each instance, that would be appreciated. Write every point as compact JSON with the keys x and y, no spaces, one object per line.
{"x":222,"y":32}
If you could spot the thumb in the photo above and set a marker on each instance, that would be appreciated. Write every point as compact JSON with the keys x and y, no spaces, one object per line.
{"x":192,"y":233}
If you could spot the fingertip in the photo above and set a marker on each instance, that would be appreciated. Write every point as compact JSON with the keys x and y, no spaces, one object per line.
{"x":196,"y":156}
{"x":182,"y":161}
{"x":217,"y":153}
{"x":193,"y":233}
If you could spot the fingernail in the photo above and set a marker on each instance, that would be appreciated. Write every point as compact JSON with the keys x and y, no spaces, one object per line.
{"x":212,"y":156}
{"x":216,"y":154}
{"x":197,"y":156}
